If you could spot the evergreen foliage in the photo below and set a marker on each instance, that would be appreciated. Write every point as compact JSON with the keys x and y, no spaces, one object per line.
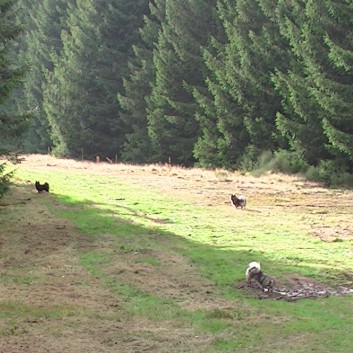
{"x":39,"y":45}
{"x":11,"y":73}
{"x":299,"y":121}
{"x":219,"y":83}
{"x":179,"y":67}
{"x":330,"y":72}
{"x":244,"y":95}
{"x":4,"y":180}
{"x":10,"y":77}
{"x":80,"y":97}
{"x":137,"y":88}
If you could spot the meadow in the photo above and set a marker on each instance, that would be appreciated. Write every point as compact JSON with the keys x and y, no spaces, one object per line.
{"x":123,"y":258}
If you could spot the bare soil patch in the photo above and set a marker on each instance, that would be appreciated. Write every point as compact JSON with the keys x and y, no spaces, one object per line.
{"x":41,"y":279}
{"x":174,"y":278}
{"x":295,"y":287}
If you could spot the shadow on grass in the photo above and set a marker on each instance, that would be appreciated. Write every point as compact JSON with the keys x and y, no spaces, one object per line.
{"x":224,"y":266}
{"x":110,"y":236}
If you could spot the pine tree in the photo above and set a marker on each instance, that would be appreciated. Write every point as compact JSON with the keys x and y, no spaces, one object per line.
{"x":245,"y":101}
{"x":317,"y":89}
{"x":80,"y":98}
{"x":261,"y":51}
{"x":299,"y":121}
{"x":11,"y":73}
{"x":10,"y":77}
{"x":137,"y":88}
{"x":329,"y":62}
{"x":179,"y":66}
{"x":39,"y":44}
{"x":223,"y":137}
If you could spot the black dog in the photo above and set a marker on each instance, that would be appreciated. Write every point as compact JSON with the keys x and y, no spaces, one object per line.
{"x":42,"y":187}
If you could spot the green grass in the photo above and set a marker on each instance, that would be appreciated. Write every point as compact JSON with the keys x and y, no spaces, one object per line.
{"x":12,"y":277}
{"x":127,"y":219}
{"x":13,"y":309}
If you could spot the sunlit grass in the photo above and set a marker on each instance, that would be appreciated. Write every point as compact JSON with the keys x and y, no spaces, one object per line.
{"x":277,"y":236}
{"x":219,"y":243}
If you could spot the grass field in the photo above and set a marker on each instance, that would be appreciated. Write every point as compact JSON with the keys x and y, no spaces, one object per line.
{"x":122,"y":258}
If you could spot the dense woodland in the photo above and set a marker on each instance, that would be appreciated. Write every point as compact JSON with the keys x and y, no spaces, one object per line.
{"x":238,"y":84}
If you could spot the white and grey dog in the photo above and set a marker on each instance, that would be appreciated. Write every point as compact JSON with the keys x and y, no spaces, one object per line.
{"x":263,"y":281}
{"x":238,"y":201}
{"x":253,"y":267}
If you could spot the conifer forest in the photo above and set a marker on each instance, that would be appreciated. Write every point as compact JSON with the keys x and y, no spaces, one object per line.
{"x":229,"y":84}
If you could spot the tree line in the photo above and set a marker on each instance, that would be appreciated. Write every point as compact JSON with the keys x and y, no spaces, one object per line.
{"x":218,"y":83}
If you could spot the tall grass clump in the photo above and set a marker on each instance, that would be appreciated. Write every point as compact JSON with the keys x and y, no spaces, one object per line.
{"x":279,"y":162}
{"x":330,"y":173}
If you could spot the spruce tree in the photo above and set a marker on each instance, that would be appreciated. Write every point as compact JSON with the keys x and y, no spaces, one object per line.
{"x":11,"y":73}
{"x":245,"y":101}
{"x":179,"y":66}
{"x":300,"y":120}
{"x":317,"y":89}
{"x":137,"y":88}
{"x":10,"y":77}
{"x":80,"y":98}
{"x":39,"y":44}
{"x":329,"y":60}
{"x":223,"y":138}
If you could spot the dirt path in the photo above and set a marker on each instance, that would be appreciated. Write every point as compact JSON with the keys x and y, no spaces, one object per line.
{"x":43,"y":282}
{"x":50,"y":303}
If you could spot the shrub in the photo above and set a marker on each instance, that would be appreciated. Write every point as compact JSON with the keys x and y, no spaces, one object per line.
{"x":332,"y":174}
{"x":4,"y":179}
{"x":280,"y":161}
{"x":329,"y":172}
{"x":249,"y":160}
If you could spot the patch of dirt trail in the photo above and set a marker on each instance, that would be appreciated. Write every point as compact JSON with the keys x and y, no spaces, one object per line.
{"x":174,"y":278}
{"x":50,"y":303}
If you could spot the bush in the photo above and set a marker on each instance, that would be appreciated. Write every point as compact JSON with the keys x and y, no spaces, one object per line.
{"x":4,"y":179}
{"x":280,"y":161}
{"x":331,"y":174}
{"x":249,"y":160}
{"x":311,"y":173}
